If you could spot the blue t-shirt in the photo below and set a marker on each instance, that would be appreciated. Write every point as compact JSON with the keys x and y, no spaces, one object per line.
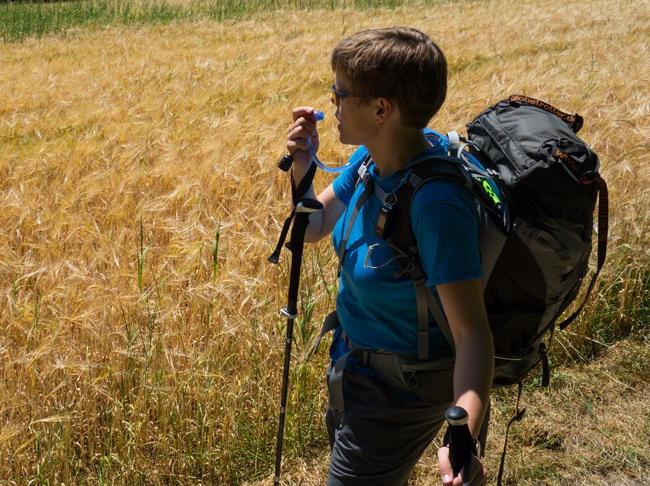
{"x":376,"y":309}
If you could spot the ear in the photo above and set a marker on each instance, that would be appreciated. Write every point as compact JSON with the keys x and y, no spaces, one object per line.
{"x":384,"y":108}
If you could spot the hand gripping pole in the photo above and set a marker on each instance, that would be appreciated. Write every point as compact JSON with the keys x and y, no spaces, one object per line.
{"x":461,"y":444}
{"x":304,"y":208}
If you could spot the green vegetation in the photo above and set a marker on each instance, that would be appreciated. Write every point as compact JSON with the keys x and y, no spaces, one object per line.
{"x":19,"y":20}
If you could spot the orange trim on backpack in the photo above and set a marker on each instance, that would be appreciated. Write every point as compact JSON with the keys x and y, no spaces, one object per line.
{"x":543,"y":106}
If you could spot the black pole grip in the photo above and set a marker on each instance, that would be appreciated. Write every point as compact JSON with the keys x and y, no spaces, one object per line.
{"x":460,"y":440}
{"x":285,"y":163}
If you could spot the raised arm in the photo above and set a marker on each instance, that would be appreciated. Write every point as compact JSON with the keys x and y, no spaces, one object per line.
{"x":321,"y":223}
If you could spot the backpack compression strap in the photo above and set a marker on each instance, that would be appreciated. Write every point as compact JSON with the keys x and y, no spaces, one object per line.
{"x":603,"y":229}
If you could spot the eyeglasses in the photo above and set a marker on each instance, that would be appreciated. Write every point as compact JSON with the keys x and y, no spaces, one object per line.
{"x":338,"y":95}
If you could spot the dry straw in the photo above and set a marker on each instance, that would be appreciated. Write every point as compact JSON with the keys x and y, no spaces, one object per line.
{"x":139,"y":200}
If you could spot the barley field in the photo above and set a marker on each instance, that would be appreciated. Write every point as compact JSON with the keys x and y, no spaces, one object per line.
{"x":140,"y":335}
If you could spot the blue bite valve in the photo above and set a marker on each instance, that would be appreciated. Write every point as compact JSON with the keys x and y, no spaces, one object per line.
{"x":318,"y":115}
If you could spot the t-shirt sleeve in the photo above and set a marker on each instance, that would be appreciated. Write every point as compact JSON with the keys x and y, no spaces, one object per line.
{"x":446,"y":230}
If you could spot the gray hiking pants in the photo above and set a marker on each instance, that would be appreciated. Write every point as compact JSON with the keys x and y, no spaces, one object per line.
{"x":380,"y":436}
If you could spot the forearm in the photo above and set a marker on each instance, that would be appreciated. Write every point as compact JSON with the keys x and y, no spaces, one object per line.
{"x":465,"y":310}
{"x":473,"y":376}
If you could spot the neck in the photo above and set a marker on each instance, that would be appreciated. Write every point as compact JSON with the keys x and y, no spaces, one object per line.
{"x":391,"y":150}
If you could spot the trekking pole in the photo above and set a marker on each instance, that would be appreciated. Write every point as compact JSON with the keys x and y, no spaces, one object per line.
{"x":460,"y":440}
{"x":304,"y":208}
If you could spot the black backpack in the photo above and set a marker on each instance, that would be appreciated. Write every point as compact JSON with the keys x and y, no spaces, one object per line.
{"x":536,"y":238}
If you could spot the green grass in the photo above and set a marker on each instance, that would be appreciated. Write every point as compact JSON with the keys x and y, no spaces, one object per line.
{"x":21,"y":20}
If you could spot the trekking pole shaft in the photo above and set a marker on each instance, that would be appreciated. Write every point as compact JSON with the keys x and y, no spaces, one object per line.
{"x":283,"y":401}
{"x":290,"y":311}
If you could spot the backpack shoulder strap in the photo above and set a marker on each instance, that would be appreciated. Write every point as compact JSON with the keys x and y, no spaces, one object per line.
{"x":403,"y":241}
{"x":448,"y":168}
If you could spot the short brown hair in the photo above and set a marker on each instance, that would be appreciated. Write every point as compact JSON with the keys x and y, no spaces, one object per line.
{"x":398,"y":63}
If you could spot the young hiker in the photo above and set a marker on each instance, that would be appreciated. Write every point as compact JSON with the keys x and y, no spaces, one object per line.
{"x":389,"y":83}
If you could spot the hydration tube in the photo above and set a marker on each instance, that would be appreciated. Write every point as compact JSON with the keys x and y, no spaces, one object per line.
{"x":319,"y":115}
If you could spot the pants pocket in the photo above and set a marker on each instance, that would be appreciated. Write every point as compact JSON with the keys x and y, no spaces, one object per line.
{"x":434,"y":388}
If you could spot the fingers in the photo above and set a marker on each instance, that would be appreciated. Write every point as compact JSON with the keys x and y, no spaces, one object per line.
{"x":446,"y":471}
{"x":478,"y":473}
{"x":302,"y":129}
{"x":306,"y":112}
{"x":297,"y":137}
